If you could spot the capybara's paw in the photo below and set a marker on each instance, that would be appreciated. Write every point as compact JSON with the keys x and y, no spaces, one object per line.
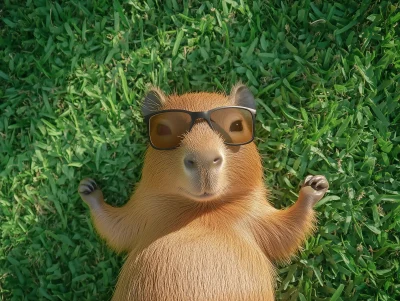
{"x":316,"y":182}
{"x":313,"y":189}
{"x":90,"y":192}
{"x":87,"y":186}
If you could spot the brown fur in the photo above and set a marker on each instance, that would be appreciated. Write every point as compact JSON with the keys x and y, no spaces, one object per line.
{"x":218,"y":249}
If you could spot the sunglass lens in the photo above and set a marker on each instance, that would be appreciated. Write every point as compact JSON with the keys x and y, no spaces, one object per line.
{"x":166,"y":129}
{"x":234,"y":124}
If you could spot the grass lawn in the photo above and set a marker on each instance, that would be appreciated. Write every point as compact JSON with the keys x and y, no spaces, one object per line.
{"x":326,"y":75}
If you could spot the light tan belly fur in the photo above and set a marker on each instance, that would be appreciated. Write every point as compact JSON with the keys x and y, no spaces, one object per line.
{"x":208,"y":266}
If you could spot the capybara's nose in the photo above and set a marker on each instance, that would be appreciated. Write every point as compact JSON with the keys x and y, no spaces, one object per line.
{"x":211,"y":160}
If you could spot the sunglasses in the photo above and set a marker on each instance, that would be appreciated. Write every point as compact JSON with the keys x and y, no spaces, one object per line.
{"x":167,"y":128}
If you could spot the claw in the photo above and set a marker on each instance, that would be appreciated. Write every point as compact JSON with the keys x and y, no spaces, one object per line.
{"x":322,"y":184}
{"x":89,"y":185}
{"x":93,"y":183}
{"x":308,"y":178}
{"x":90,"y":193}
{"x":85,"y":191}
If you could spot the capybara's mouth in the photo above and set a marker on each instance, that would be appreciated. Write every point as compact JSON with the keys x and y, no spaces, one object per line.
{"x":203,"y":196}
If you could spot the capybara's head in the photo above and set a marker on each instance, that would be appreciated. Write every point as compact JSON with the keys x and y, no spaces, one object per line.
{"x":201,"y":156}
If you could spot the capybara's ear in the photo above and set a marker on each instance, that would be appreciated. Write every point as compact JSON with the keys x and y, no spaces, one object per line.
{"x":241,"y":96}
{"x":153,"y":101}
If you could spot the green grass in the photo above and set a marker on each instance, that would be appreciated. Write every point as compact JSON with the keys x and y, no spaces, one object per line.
{"x":326,"y":76}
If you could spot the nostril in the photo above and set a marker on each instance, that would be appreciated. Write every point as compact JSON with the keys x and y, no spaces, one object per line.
{"x":203,"y":161}
{"x":190,"y":163}
{"x":217,"y":161}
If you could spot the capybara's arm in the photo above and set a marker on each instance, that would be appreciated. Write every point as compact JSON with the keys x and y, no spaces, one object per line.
{"x":280,"y":233}
{"x":113,"y":224}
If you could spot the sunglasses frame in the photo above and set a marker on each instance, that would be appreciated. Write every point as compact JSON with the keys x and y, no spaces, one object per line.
{"x":200,"y":115}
